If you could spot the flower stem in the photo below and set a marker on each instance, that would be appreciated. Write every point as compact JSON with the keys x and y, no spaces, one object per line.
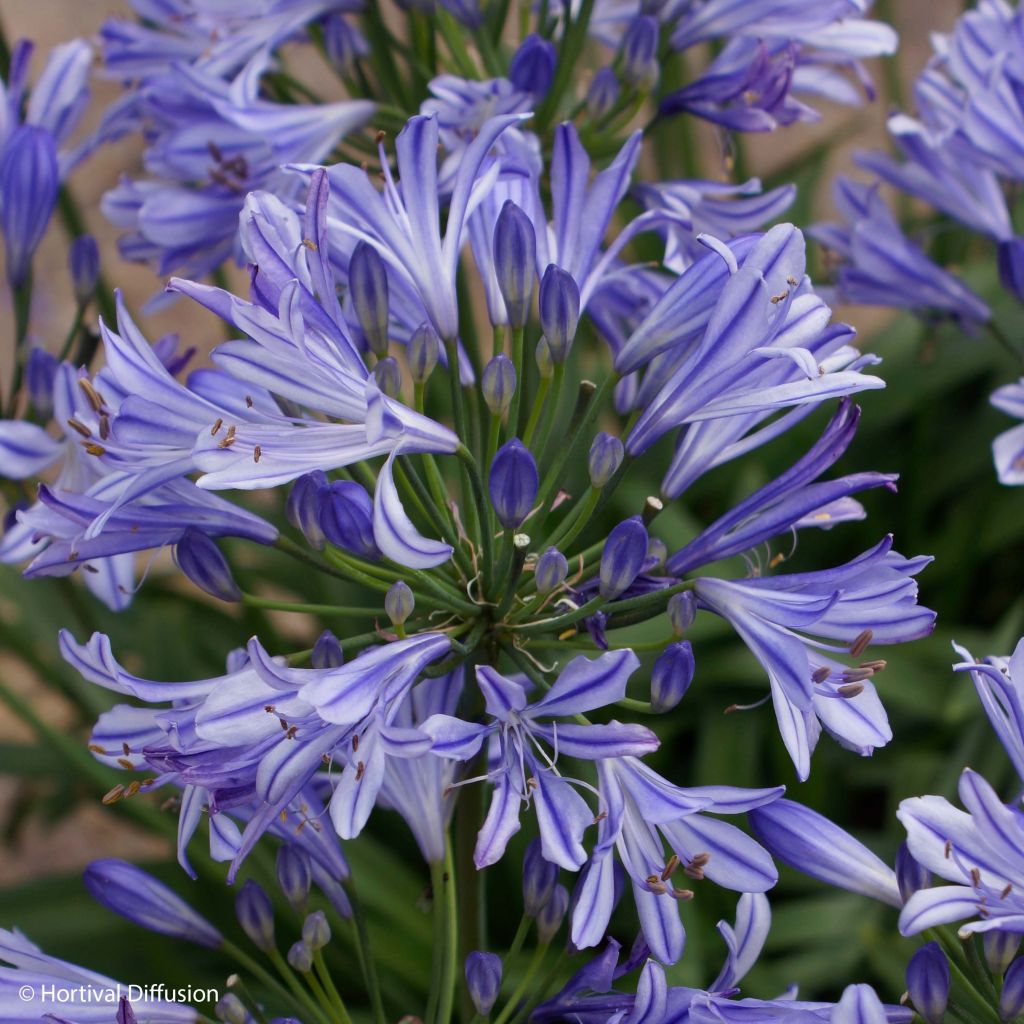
{"x":523,"y":987}
{"x":446,"y":932}
{"x":307,"y":609}
{"x":333,"y":995}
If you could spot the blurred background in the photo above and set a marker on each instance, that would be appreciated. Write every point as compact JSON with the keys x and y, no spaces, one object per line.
{"x":932,"y":425}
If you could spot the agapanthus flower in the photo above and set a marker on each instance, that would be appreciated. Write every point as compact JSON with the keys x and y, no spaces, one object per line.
{"x":1008,"y":447}
{"x":880,"y":266}
{"x":88,"y":997}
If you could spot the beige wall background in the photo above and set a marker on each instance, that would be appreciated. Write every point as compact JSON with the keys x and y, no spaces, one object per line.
{"x":89,"y":832}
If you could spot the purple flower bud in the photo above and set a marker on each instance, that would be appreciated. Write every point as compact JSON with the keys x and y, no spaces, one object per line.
{"x":606,"y":455}
{"x":1011,"y":999}
{"x":1000,"y":949}
{"x":640,"y":52}
{"x":300,"y":957}
{"x":84,"y":263}
{"x":483,"y":979}
{"x":1011,"y":266}
{"x":515,"y":258}
{"x":928,"y":982}
{"x":910,"y":876}
{"x":533,"y":65}
{"x":498,"y":384}
{"x":423,"y":352}
{"x":682,"y":610}
{"x":303,"y":506}
{"x":388,"y":376}
{"x":201,"y":561}
{"x":294,"y":875}
{"x":552,"y":914}
{"x":256,"y":915}
{"x":29,"y":181}
{"x":623,"y":556}
{"x":346,"y":517}
{"x":624,"y":395}
{"x":40,"y":370}
{"x":327,"y":652}
{"x":368,"y":284}
{"x":559,"y":310}
{"x":603,"y":93}
{"x":551,"y":570}
{"x":316,"y":932}
{"x":540,"y":877}
{"x":542,"y":356}
{"x":139,"y":897}
{"x":671,"y":676}
{"x":513,"y":483}
{"x":399,"y":602}
{"x":231,"y":1009}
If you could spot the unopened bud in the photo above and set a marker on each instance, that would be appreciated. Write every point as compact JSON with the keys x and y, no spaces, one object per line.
{"x":388,"y":376}
{"x":498,"y":384}
{"x":910,"y":875}
{"x":551,"y":570}
{"x":640,"y":53}
{"x":40,"y":372}
{"x":294,"y":875}
{"x":533,"y":65}
{"x":540,"y":877}
{"x":603,"y":93}
{"x":399,"y":602}
{"x":552,"y":914}
{"x":515,"y":257}
{"x":303,"y":506}
{"x":483,"y":980}
{"x":513,"y":483}
{"x":84,"y":264}
{"x":606,"y":455}
{"x":231,"y":1009}
{"x":368,"y":283}
{"x":256,"y":915}
{"x":682,"y":610}
{"x":671,"y":676}
{"x":928,"y":982}
{"x":1011,"y":999}
{"x":559,"y":310}
{"x":346,"y":517}
{"x":201,"y":561}
{"x":300,"y":957}
{"x":542,"y":356}
{"x":316,"y":932}
{"x":423,"y":352}
{"x":623,"y":556}
{"x":1000,"y":949}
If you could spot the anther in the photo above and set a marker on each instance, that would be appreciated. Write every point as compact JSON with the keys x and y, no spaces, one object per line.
{"x":125,"y":749}
{"x":216,"y":427}
{"x":113,"y":795}
{"x":96,"y":748}
{"x":80,"y":427}
{"x":360,"y":769}
{"x":1006,"y":891}
{"x":125,"y":763}
{"x":850,"y":689}
{"x":860,"y":644}
{"x":284,"y":725}
{"x":819,"y":675}
{"x":91,"y":393}
{"x":94,"y":449}
{"x":683,"y":894}
{"x":673,"y":863}
{"x":248,"y":401}
{"x":133,"y":788}
{"x":257,"y":451}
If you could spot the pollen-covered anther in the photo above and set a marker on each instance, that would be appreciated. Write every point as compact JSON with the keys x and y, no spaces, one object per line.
{"x":96,"y":748}
{"x":309,"y":244}
{"x":820,"y":674}
{"x":947,"y":849}
{"x":284,"y":725}
{"x":355,"y":742}
{"x":1007,"y":889}
{"x":598,"y":818}
{"x":257,"y":451}
{"x":132,"y":788}
{"x":113,"y":795}
{"x":776,"y":299}
{"x":80,"y":427}
{"x":879,"y":665}
{"x":976,"y":878}
{"x":683,"y":894}
{"x":91,"y":393}
{"x":94,"y":449}
{"x":860,"y":644}
{"x":855,"y":675}
{"x":125,"y":763}
{"x":292,"y":730}
{"x":216,"y":427}
{"x":850,"y":689}
{"x":360,"y":769}
{"x":228,"y":440}
{"x":670,"y":866}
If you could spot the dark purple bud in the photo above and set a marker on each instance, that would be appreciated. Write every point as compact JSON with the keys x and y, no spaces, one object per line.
{"x":498,"y":384}
{"x":231,"y":1009}
{"x":682,"y":610}
{"x":540,"y":877}
{"x":125,"y":1014}
{"x":201,"y":561}
{"x":671,"y":676}
{"x":624,"y":395}
{"x":399,"y":602}
{"x":294,"y":875}
{"x":388,"y":376}
{"x":1000,"y":949}
{"x":1011,"y":999}
{"x":300,"y":957}
{"x":40,"y":370}
{"x":928,"y":982}
{"x":513,"y":483}
{"x":316,"y":932}
{"x":552,"y":914}
{"x":327,"y":652}
{"x":423,"y":352}
{"x":515,"y":259}
{"x":368,"y":283}
{"x":559,"y":310}
{"x":84,"y":263}
{"x":551,"y":570}
{"x":603,"y":93}
{"x":256,"y":915}
{"x":910,"y":876}
{"x":606,"y":455}
{"x":346,"y":517}
{"x":139,"y":897}
{"x":303,"y":506}
{"x":483,"y":979}
{"x":533,"y":65}
{"x":29,"y":181}
{"x":640,"y":52}
{"x":623,"y":556}
{"x":542,"y":356}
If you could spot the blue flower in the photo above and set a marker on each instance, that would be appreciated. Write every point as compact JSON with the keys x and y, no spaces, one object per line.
{"x":1008,"y":447}
{"x":521,"y":770}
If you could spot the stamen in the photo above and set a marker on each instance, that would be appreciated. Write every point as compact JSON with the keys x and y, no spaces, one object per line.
{"x":860,"y":644}
{"x":113,"y":795}
{"x":80,"y":427}
{"x":216,"y":427}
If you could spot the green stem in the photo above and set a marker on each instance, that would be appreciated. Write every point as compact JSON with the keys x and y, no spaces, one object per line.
{"x":333,"y":995}
{"x":523,"y":987}
{"x":363,"y":612}
{"x":364,"y":953}
{"x":288,"y":975}
{"x":446,"y":955}
{"x":259,"y":971}
{"x":512,"y":425}
{"x":573,"y":39}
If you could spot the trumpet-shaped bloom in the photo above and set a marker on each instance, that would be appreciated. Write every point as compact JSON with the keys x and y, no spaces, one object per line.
{"x":1008,"y":447}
